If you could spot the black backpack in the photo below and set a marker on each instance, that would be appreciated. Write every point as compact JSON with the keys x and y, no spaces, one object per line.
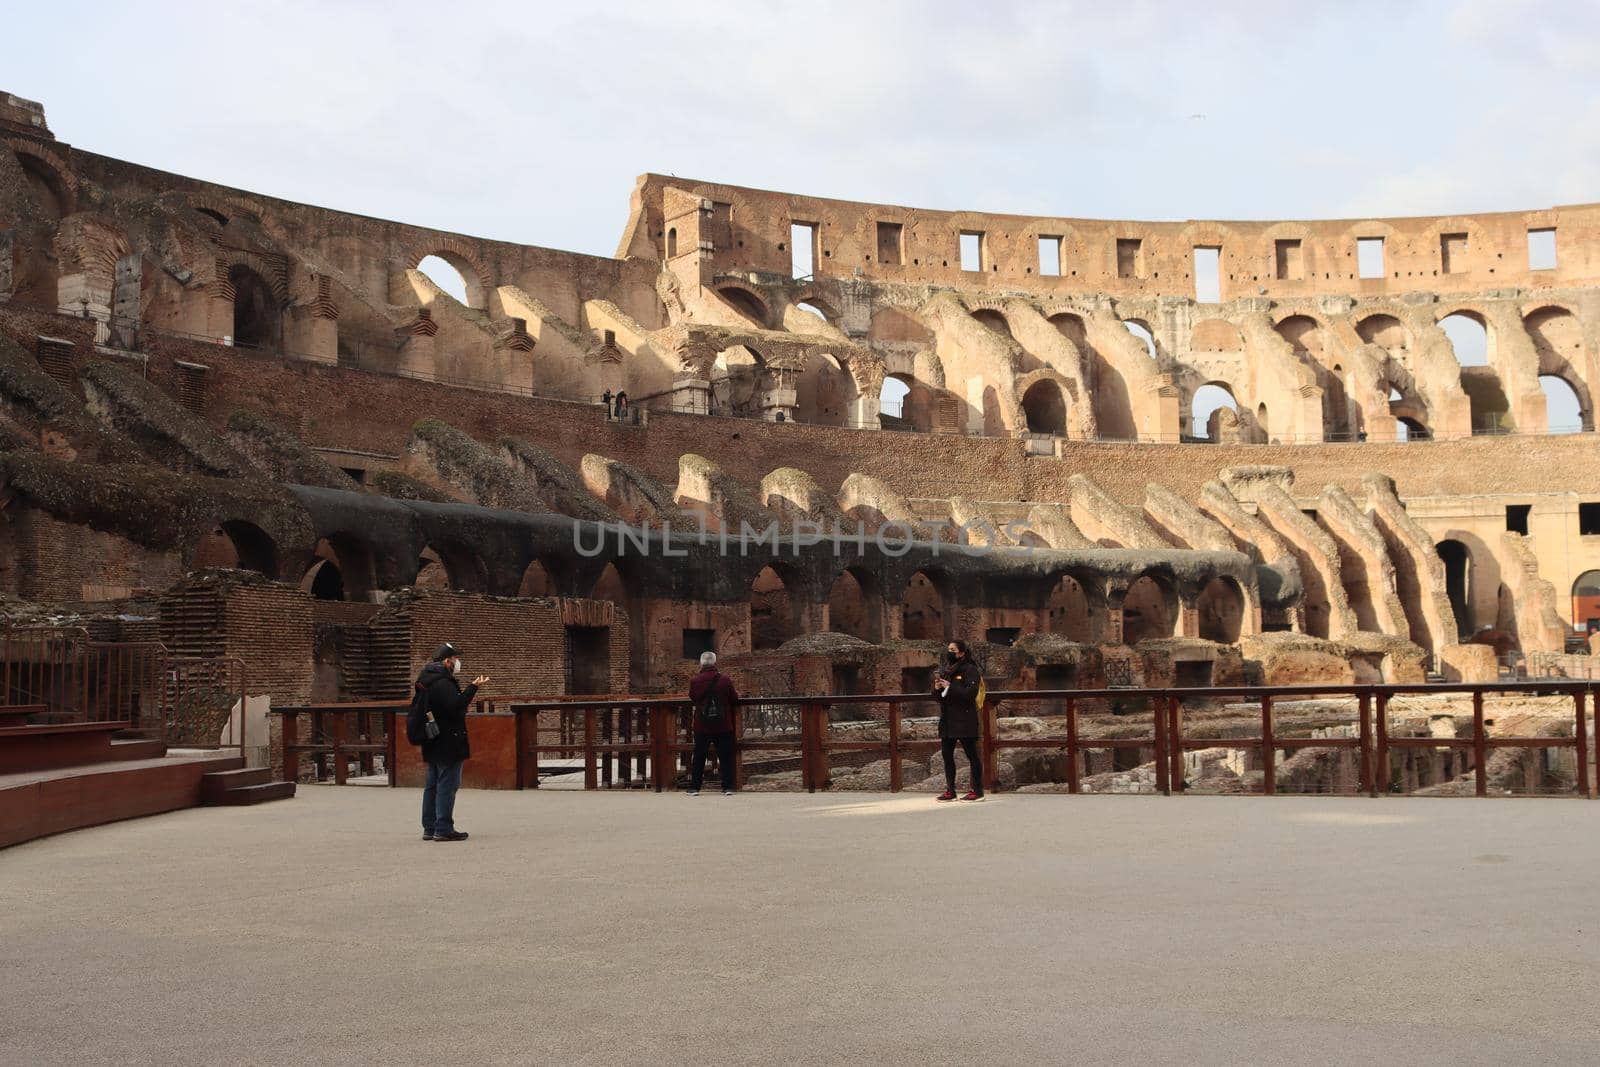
{"x":417,"y":717}
{"x":711,"y":711}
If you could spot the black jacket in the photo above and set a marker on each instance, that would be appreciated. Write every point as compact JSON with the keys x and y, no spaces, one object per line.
{"x":958,"y":705}
{"x":449,"y":703}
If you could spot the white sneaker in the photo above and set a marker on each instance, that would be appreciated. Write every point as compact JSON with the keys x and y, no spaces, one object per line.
{"x":691,"y":792}
{"x":727,"y":792}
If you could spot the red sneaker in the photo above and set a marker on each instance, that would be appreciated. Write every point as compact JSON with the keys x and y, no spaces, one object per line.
{"x":946,"y":795}
{"x":971,"y":795}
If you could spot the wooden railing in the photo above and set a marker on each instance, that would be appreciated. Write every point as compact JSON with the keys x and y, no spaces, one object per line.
{"x":643,"y":742}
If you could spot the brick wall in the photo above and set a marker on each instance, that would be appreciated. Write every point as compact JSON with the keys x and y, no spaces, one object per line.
{"x":269,"y":629}
{"x":520,"y":644}
{"x":52,"y":560}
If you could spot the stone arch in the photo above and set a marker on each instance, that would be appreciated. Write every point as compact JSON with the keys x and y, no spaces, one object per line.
{"x":464,"y":261}
{"x":237,"y":544}
{"x":1384,"y":330}
{"x":825,"y":391}
{"x":1457,"y":559}
{"x":463,"y":568}
{"x":994,"y":319}
{"x":746,"y":301}
{"x":736,"y":374}
{"x":610,"y":586}
{"x":324,"y":581}
{"x":1044,"y":405}
{"x":814,"y":301}
{"x":1220,"y":608}
{"x":927,"y":607}
{"x":48,"y":176}
{"x":777,"y":605}
{"x":537,"y":581}
{"x":672,"y":242}
{"x":257,"y":315}
{"x":1303,"y":333}
{"x":1476,"y":328}
{"x":1215,"y":335}
{"x":1557,"y":336}
{"x":355,"y":566}
{"x":907,"y":400}
{"x":854,"y":605}
{"x":1149,"y":609}
{"x":1204,"y":403}
{"x":1472,"y":580}
{"x":1586,"y":601}
{"x":1142,"y":331}
{"x":1070,"y":611}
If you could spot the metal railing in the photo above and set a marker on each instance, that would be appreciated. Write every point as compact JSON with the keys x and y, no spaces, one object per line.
{"x":1373,"y":739}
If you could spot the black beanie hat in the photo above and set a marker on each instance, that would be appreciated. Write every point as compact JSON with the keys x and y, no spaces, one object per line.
{"x":446,"y":650}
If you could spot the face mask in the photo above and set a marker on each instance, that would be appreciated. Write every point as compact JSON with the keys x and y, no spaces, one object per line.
{"x":456,"y":670}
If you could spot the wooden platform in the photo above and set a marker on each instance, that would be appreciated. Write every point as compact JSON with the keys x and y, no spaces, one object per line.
{"x":42,"y":802}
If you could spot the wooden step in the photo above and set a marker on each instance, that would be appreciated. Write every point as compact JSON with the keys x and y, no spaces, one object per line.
{"x":215,"y":784}
{"x":257,"y":794}
{"x":137,"y":748}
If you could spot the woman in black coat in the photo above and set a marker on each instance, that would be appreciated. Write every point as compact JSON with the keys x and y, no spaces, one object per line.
{"x":957,"y":689}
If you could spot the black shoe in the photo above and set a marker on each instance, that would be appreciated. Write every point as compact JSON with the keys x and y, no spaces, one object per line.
{"x":427,"y":835}
{"x":454,"y":835}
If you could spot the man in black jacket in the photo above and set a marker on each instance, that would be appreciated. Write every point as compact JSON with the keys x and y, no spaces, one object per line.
{"x":446,"y":751}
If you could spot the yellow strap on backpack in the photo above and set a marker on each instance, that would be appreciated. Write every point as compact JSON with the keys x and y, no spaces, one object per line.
{"x":983,"y":691}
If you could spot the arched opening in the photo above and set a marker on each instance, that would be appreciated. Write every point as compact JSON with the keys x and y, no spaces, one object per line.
{"x":1336,"y":422}
{"x":257,"y":320}
{"x":446,"y":276}
{"x":1067,"y":611}
{"x":431,"y":572}
{"x":1072,"y":328}
{"x":1564,"y":410}
{"x":1469,"y":337}
{"x":825,"y":392}
{"x":923,"y":614}
{"x":1385,"y":331}
{"x":1203,"y":406}
{"x":1147,"y":612}
{"x":238,"y":545}
{"x":355,"y":568}
{"x":736,"y":382}
{"x":1304,"y":335}
{"x":1261,"y":422}
{"x":1458,"y":583}
{"x":1142,"y":332}
{"x":536,"y":582}
{"x":892,"y":403}
{"x":609,"y":586}
{"x":994,"y":320}
{"x":852,"y":608}
{"x":672,"y":242}
{"x":214,"y":215}
{"x":1221,"y":610}
{"x":324,"y":581}
{"x":1586,"y":601}
{"x":812,"y":309}
{"x":1045,"y":408}
{"x":50,"y":193}
{"x":745,"y":303}
{"x":775,"y":609}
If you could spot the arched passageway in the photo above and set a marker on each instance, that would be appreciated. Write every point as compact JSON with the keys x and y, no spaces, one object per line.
{"x":1458,"y":583}
{"x":776,"y":608}
{"x":924,"y":615}
{"x":1045,"y":408}
{"x":1147,"y":611}
{"x":853,"y":606}
{"x":257,"y":319}
{"x":1220,"y":608}
{"x":1067,"y":611}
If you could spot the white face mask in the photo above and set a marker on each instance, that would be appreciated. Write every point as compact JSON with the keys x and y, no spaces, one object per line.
{"x":456,"y":670}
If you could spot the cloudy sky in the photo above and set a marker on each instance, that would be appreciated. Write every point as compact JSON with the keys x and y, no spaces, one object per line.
{"x":505,"y":121}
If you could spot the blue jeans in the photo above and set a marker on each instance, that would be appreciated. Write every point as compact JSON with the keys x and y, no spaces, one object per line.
{"x":439,"y":797}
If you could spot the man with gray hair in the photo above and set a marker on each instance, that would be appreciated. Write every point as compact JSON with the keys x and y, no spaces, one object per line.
{"x":713,"y":696}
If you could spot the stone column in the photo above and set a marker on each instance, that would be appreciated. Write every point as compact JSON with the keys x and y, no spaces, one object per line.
{"x":691,"y":394}
{"x":778,"y":396}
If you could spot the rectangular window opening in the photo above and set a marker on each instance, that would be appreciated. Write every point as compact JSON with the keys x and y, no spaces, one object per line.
{"x":1452,"y":252}
{"x":890,"y":249}
{"x":802,"y":249}
{"x":1369,"y":257}
{"x":1130,"y":257}
{"x":1003,"y":636}
{"x":1291,"y":265}
{"x":1589,"y":519}
{"x":1517,"y":518}
{"x":696,"y":642}
{"x":1050,"y":257}
{"x":972,"y":251}
{"x":1542,"y":249}
{"x":1207,"y":275}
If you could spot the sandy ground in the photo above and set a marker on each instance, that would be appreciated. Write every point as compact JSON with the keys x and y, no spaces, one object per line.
{"x":785,"y":928}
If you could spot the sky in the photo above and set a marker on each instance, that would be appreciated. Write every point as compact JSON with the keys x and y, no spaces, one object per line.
{"x":529,"y":122}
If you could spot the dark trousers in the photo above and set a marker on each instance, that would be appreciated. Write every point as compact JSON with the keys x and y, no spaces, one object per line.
{"x":439,"y":797}
{"x":697,"y":767}
{"x":969,"y":745}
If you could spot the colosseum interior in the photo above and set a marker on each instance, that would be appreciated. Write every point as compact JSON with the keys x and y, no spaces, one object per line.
{"x":1108,"y":453}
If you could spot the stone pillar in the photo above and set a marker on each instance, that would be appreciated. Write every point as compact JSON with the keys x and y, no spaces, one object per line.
{"x":691,"y":394}
{"x":128,"y":287}
{"x":1188,"y":622}
{"x":778,"y":396}
{"x":864,"y":412}
{"x":1111,"y":631}
{"x":88,"y":296}
{"x":311,"y":331}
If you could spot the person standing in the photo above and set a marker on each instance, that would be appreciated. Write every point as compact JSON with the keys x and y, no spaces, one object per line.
{"x":446,"y":748}
{"x":714,"y":698}
{"x":957,"y":689}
